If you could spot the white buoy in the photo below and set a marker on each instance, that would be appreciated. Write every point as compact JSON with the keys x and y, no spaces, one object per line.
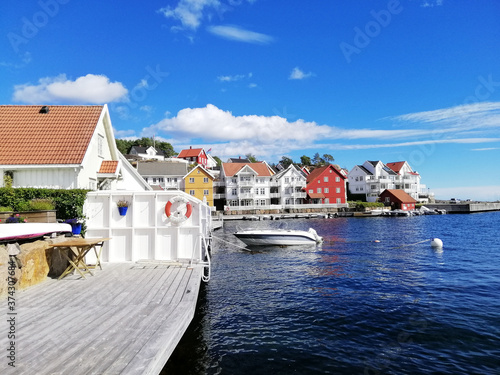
{"x":436,"y":243}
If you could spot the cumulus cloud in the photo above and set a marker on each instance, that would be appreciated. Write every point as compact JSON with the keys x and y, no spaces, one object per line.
{"x":212,"y":123}
{"x":239,"y":34}
{"x":89,"y":89}
{"x":297,"y":73}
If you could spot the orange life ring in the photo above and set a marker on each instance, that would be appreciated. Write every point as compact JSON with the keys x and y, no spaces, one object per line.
{"x":177,"y":216}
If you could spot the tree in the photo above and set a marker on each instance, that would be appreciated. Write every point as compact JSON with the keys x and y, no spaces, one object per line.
{"x":316,"y":159}
{"x":305,"y":160}
{"x":286,"y":161}
{"x":251,"y":157}
{"x":124,"y":146}
{"x":217,"y":159}
{"x":328,"y":158}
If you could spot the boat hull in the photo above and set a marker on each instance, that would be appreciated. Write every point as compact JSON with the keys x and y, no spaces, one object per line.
{"x":276,"y":238}
{"x":23,"y":231}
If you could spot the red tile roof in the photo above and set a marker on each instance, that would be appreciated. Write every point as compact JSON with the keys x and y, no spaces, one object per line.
{"x":396,"y":166}
{"x":190,"y":153}
{"x":108,"y":166}
{"x":399,"y":195}
{"x":60,"y":136}
{"x":319,"y":171}
{"x":230,"y":169}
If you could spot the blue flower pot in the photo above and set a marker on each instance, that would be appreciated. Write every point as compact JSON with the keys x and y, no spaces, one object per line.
{"x":76,"y":228}
{"x":122,"y":210}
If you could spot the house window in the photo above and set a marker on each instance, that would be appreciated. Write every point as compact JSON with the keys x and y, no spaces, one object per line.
{"x":262,"y":191}
{"x":234,"y":192}
{"x":337,"y":179}
{"x":311,"y":191}
{"x":100,"y":145}
{"x":287,"y":180}
{"x":338,"y":190}
{"x":325,"y":179}
{"x":319,"y":190}
{"x":191,"y":180}
{"x":191,"y":192}
{"x":327,"y":190}
{"x":205,"y":180}
{"x":339,"y":200}
{"x":387,"y":200}
{"x":205,"y":192}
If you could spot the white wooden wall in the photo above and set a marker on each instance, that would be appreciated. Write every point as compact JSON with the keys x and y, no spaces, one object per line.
{"x":145,"y":232}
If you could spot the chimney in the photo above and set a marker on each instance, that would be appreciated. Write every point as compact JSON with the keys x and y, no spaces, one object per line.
{"x":44,"y":109}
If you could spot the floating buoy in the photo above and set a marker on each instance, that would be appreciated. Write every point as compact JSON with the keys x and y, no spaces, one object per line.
{"x":436,"y":243}
{"x":376,"y":241}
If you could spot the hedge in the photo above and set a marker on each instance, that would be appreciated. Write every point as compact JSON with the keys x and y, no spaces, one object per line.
{"x":68,"y":203}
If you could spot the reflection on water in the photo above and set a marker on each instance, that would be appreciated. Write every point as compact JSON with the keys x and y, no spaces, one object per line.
{"x":352,"y":305}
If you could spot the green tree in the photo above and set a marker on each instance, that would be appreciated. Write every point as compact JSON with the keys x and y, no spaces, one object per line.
{"x":305,"y":160}
{"x":217,"y":159}
{"x":316,"y":159}
{"x":286,"y":161}
{"x":327,"y":158}
{"x":251,"y":157}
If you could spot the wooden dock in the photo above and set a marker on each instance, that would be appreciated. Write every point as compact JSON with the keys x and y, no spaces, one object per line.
{"x":126,"y":319}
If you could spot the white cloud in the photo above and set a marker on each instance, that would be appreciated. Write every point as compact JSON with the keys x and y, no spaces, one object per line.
{"x":431,"y":3}
{"x":275,"y":135}
{"x":89,"y":89}
{"x":190,"y":13}
{"x":233,"y":78}
{"x":299,"y":74}
{"x":241,"y":35}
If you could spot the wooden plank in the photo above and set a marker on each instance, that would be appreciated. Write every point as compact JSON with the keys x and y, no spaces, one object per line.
{"x":113,"y":322}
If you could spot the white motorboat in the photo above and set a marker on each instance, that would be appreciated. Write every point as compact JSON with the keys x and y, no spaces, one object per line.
{"x":278,"y":237}
{"x":23,"y":231}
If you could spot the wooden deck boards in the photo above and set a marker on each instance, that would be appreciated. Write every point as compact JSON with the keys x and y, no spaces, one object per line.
{"x":127,"y":319}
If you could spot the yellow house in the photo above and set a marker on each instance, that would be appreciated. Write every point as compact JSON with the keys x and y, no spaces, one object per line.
{"x":199,"y":183}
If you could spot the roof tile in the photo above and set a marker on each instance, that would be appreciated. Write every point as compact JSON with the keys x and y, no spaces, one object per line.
{"x":60,"y":136}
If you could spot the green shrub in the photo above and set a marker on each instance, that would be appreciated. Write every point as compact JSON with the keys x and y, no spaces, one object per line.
{"x":23,"y":206}
{"x":41,"y":204}
{"x":68,"y":203}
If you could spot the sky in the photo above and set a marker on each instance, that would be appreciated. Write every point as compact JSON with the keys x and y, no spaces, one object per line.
{"x":414,"y":80}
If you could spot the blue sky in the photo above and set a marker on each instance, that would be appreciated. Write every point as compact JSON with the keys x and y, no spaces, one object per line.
{"x":414,"y":80}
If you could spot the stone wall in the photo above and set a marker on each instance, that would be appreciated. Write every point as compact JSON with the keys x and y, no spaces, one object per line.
{"x":37,"y":263}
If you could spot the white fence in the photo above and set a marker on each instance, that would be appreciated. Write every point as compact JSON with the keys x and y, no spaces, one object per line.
{"x":145,"y":232}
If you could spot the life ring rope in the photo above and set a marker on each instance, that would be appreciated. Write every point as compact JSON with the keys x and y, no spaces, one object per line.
{"x":181,"y":213}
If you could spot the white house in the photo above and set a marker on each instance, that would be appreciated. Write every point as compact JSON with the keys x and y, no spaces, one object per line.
{"x":147,"y":153}
{"x":246,"y":184}
{"x":373,"y":177}
{"x":288,"y":187}
{"x":66,"y":147}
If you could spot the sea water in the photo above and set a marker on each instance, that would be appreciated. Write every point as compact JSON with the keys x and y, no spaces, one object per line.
{"x":374,"y":298}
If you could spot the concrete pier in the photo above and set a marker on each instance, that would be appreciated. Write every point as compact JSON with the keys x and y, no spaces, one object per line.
{"x":465,"y":208}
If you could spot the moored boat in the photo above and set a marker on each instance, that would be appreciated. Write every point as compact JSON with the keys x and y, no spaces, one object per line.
{"x":23,"y":231}
{"x":278,"y":237}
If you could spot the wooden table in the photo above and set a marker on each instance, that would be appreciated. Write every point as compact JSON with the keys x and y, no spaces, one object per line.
{"x":79,"y":248}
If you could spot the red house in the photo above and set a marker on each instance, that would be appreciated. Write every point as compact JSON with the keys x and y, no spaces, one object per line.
{"x":397,"y":199}
{"x":196,"y":155}
{"x":326,"y":185}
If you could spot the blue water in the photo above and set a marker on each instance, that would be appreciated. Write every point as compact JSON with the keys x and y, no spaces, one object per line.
{"x":353,"y":305}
